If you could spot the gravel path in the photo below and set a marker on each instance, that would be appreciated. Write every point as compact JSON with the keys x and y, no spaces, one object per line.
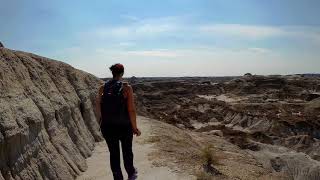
{"x":99,"y":168}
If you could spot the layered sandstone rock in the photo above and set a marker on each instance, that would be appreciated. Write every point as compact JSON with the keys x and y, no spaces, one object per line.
{"x":47,"y":123}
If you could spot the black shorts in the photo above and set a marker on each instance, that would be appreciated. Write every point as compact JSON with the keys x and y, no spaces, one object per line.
{"x":111,"y":130}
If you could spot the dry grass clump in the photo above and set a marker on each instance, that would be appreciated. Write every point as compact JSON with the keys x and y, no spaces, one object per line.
{"x":208,"y":156}
{"x":208,"y":160}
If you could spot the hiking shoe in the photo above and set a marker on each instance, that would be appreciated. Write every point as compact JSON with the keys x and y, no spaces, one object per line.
{"x":134,"y":176}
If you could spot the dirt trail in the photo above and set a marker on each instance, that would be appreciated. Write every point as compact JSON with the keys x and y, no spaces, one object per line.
{"x":99,"y":168}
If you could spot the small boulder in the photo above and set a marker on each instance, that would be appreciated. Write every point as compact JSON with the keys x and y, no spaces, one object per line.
{"x":277,"y":164}
{"x":216,"y":133}
{"x":1,"y":45}
{"x":312,"y":96}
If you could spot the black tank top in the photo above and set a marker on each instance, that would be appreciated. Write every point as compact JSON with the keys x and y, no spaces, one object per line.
{"x":114,"y":111}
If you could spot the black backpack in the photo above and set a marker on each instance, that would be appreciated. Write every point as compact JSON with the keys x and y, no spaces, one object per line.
{"x":114,"y":109}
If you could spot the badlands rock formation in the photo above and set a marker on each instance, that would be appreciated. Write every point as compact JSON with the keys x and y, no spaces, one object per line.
{"x":47,"y":123}
{"x":274,"y":118}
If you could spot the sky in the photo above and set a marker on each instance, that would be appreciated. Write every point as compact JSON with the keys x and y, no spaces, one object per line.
{"x":168,"y":37}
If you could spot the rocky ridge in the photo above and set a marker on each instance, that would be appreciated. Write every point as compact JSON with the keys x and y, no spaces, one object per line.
{"x":47,"y":123}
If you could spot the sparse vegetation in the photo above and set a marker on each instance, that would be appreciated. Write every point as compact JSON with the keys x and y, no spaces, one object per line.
{"x":209,"y":159}
{"x":208,"y":156}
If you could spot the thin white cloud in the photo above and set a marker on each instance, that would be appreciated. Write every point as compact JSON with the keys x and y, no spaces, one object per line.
{"x":309,"y":33}
{"x":246,"y":31}
{"x":139,"y":29}
{"x":139,"y":41}
{"x":259,"y":50}
{"x":108,"y":32}
{"x":150,"y":28}
{"x":155,"y":53}
{"x":195,"y":62}
{"x":130,"y":17}
{"x":261,"y":32}
{"x":181,"y":54}
{"x":160,"y":53}
{"x":126,"y":44}
{"x":157,"y":28}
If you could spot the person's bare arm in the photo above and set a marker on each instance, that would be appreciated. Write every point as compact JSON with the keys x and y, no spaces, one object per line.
{"x":132,"y":111}
{"x":98,"y":104}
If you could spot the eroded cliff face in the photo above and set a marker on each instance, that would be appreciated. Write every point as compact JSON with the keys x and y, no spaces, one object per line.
{"x":47,"y":121}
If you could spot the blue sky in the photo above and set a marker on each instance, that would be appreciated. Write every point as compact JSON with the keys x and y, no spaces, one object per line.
{"x":169,"y":37}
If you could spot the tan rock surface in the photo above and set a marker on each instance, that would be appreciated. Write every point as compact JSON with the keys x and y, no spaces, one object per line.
{"x":47,"y":123}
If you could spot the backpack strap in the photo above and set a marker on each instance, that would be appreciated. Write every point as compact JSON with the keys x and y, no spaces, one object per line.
{"x":105,"y":86}
{"x":111,"y":85}
{"x":121,"y":87}
{"x":125,"y":87}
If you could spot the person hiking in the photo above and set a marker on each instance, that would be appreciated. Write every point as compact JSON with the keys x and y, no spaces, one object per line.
{"x":117,"y":119}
